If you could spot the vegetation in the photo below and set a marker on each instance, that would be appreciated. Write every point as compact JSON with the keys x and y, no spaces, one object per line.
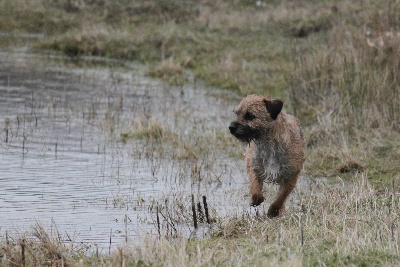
{"x":336,"y":65}
{"x":333,"y":226}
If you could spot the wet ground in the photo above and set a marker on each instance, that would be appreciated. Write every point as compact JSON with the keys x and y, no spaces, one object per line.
{"x":63,"y":163}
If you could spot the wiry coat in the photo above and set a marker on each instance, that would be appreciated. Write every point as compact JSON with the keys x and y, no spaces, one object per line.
{"x":276,"y":147}
{"x":278,"y":154}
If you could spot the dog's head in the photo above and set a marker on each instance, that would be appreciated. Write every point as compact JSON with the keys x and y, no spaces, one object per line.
{"x":255,"y":113}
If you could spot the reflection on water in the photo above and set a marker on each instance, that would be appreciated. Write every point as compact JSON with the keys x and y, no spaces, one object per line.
{"x":62,"y":160}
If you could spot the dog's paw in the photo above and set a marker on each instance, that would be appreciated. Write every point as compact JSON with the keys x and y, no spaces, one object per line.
{"x":256,"y":200}
{"x":274,"y":211}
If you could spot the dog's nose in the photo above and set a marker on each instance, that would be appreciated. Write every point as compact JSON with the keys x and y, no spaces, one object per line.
{"x":232,"y":128}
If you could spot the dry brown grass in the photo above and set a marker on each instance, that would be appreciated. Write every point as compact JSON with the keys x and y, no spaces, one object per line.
{"x":347,"y":93}
{"x":329,"y":225}
{"x":326,"y":224}
{"x":40,"y":248}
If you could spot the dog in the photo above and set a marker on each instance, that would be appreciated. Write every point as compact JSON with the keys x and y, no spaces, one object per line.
{"x":275,"y":151}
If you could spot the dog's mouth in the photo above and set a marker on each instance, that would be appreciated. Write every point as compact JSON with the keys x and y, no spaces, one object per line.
{"x":242,"y":132}
{"x":243,"y":138}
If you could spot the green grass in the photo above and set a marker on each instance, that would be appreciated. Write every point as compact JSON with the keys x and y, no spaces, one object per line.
{"x":166,"y":142}
{"x":204,"y":38}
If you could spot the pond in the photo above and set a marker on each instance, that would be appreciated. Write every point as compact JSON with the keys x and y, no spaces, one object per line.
{"x":65,"y":165}
{"x":95,"y":152}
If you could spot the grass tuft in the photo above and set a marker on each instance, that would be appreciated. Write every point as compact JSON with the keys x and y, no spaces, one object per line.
{"x":149,"y":129}
{"x":171,"y":71}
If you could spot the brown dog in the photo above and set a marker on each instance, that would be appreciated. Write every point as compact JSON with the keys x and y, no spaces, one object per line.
{"x":276,"y":147}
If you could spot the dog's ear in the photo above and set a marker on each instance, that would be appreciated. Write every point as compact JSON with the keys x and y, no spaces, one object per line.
{"x":274,"y":107}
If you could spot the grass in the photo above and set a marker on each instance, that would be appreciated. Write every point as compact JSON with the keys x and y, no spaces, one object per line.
{"x":336,"y":65}
{"x":349,"y":92}
{"x":349,"y":224}
{"x":149,"y":129}
{"x":202,"y":38}
{"x":165,"y":142}
{"x":39,"y":248}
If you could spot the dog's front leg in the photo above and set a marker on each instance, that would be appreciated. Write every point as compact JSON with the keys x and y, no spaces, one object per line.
{"x":278,"y":205}
{"x":256,"y":187}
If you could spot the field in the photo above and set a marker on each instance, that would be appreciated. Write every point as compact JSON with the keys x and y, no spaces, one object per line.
{"x":336,"y":65}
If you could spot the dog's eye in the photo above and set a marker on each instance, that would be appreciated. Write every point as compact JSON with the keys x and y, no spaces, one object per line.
{"x":248,"y":116}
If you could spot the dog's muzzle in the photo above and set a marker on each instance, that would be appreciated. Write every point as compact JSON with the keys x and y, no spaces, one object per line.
{"x":242,"y":132}
{"x":233,"y":128}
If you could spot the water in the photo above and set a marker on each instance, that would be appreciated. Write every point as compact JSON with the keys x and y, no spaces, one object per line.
{"x":63,"y":163}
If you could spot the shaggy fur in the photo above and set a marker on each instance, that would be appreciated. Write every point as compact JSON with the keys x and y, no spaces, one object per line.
{"x":276,"y":147}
